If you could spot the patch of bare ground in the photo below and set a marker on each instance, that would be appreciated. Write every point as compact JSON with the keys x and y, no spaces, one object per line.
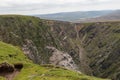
{"x":9,"y":71}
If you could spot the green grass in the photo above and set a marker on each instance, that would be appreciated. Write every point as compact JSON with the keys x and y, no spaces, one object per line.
{"x":32,"y":71}
{"x":1,"y":78}
{"x":11,"y":54}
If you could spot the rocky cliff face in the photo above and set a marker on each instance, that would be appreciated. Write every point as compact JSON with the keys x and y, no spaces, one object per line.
{"x":62,"y":59}
{"x":31,"y":51}
{"x":102,"y":44}
{"x":96,"y":44}
{"x":91,"y":48}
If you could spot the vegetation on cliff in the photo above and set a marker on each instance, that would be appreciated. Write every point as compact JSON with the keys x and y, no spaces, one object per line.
{"x":94,"y":47}
{"x":30,"y":71}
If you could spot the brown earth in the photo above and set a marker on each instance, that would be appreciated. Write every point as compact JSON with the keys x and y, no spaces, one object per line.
{"x":9,"y":71}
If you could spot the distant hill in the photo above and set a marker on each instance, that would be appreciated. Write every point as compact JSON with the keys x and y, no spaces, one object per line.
{"x":74,"y":16}
{"x":114,"y":16}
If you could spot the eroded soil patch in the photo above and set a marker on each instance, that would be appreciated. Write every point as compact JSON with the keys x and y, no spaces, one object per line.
{"x":10,"y":71}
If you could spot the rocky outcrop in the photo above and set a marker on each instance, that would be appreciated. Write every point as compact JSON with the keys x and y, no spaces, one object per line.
{"x":62,"y":59}
{"x":30,"y":50}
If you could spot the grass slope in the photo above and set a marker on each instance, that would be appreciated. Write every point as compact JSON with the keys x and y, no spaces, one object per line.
{"x":32,"y":71}
{"x":16,"y":29}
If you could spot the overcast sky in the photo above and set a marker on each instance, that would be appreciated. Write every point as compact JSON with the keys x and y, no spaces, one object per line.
{"x":54,"y":6}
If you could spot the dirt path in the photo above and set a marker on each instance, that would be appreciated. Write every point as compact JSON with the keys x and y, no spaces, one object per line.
{"x":11,"y":76}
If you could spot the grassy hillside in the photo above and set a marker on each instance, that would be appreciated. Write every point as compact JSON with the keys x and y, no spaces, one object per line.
{"x":32,"y":71}
{"x":94,"y":47}
{"x":36,"y":34}
{"x":11,"y":54}
{"x":20,"y":30}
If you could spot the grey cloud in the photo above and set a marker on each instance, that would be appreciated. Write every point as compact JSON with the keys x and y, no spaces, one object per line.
{"x":48,"y":6}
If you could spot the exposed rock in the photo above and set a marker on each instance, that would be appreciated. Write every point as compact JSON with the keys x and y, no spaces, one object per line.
{"x":31,"y":50}
{"x":62,"y":59}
